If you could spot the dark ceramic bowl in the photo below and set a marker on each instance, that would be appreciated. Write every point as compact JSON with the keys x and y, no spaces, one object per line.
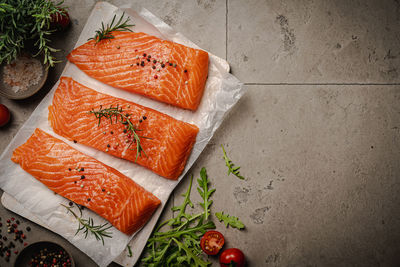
{"x":30,"y":251}
{"x":7,"y":91}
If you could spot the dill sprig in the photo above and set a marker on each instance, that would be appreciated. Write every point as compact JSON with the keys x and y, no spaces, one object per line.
{"x":123,"y":118}
{"x":105,"y":31}
{"x":231,"y":166}
{"x":87,"y":226}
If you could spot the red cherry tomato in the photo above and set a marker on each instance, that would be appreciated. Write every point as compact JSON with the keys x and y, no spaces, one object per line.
{"x":60,"y":21}
{"x":4,"y":115}
{"x":212,"y":242}
{"x":232,"y":257}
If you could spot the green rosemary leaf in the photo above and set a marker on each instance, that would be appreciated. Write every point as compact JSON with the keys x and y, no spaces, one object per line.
{"x":105,"y":32}
{"x":24,"y":22}
{"x":120,"y":116}
{"x":87,"y":226}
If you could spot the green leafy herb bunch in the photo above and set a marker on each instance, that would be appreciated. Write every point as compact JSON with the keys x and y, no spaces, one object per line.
{"x":26,"y":24}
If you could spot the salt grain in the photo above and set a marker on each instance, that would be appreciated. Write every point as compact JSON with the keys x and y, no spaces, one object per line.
{"x":22,"y":73}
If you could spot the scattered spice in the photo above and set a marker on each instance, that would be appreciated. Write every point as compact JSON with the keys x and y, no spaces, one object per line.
{"x":82,"y":185}
{"x":82,"y":176}
{"x":144,"y":54}
{"x":185,"y":71}
{"x":103,"y":190}
{"x":153,"y":67}
{"x":69,"y":169}
{"x":174,"y":65}
{"x":70,"y":203}
{"x":75,"y":141}
{"x":88,"y":199}
{"x":155,"y":76}
{"x":144,"y":117}
{"x":118,"y":47}
{"x":111,"y":132}
{"x":82,"y":169}
{"x":108,"y":113}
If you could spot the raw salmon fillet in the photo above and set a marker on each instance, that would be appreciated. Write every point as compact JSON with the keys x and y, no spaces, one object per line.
{"x":64,"y":170}
{"x":146,"y":65}
{"x":166,"y":152}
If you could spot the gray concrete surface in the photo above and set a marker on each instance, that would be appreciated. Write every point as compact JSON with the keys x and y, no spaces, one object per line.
{"x":317,"y":134}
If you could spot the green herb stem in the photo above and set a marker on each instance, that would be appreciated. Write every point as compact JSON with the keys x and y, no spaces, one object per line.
{"x":118,"y":114}
{"x":105,"y":32}
{"x":87,"y":226}
{"x":23,"y":22}
{"x":180,"y":246}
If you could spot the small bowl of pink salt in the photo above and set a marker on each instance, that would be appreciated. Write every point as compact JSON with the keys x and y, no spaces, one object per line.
{"x":23,"y":77}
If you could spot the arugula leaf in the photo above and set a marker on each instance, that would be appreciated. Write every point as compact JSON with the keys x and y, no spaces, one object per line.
{"x":231,"y":165}
{"x":204,"y":192}
{"x":190,"y":257}
{"x":181,"y":208}
{"x":179,"y":245}
{"x":229,"y":220}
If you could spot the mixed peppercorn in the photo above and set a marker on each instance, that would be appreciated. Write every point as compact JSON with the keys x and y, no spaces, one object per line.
{"x":141,"y":61}
{"x":81,"y":179}
{"x":14,"y":233}
{"x":50,"y":257}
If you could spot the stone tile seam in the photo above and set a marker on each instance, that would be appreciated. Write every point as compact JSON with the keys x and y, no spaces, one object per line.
{"x":317,"y":84}
{"x":226,"y":29}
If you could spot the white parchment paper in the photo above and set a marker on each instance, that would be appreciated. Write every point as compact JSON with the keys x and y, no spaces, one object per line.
{"x":25,"y":195}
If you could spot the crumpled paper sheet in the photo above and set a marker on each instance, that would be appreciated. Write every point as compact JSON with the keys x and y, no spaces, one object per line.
{"x":36,"y":202}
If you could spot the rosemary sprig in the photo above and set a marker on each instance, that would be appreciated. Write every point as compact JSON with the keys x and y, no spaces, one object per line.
{"x":129,"y":251}
{"x":105,"y":31}
{"x":87,"y":225}
{"x":231,"y":166}
{"x":26,"y":24}
{"x":119,"y":116}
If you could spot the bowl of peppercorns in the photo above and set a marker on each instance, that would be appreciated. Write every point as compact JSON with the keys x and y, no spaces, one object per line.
{"x":44,"y":254}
